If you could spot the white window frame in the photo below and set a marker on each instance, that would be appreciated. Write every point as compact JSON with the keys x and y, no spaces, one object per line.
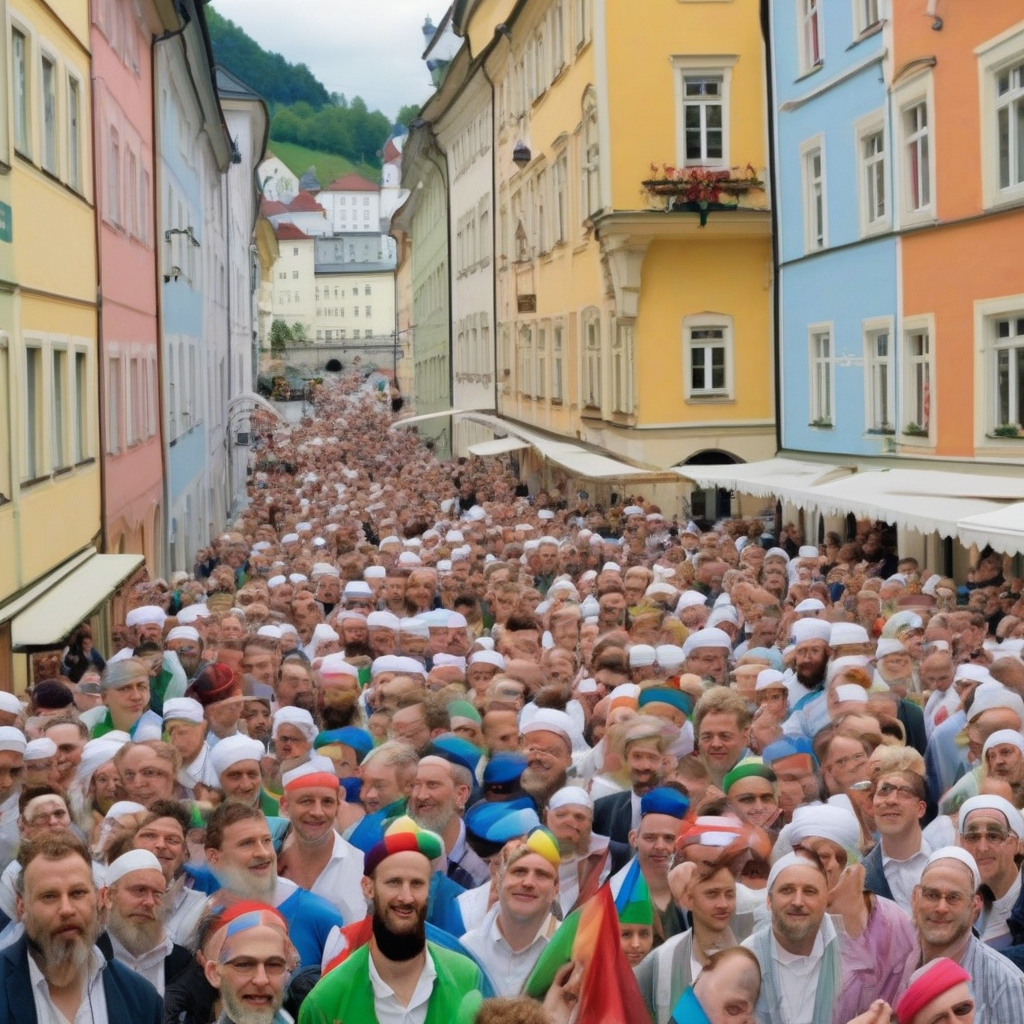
{"x":560,"y":207}
{"x":582,"y":18}
{"x":524,"y":336}
{"x":709,"y":65}
{"x":21,"y":99}
{"x":698,"y":322}
{"x":621,"y":366}
{"x":910,"y":327}
{"x":905,"y":97}
{"x":987,"y":312}
{"x":41,"y":466}
{"x":806,"y":12}
{"x":558,"y":348}
{"x":863,"y":22}
{"x":49,"y":162}
{"x":1004,"y":52}
{"x":865,"y":128}
{"x":871,"y":330}
{"x":591,"y":357}
{"x":541,"y":362}
{"x":815,"y":410}
{"x":590,"y":158}
{"x":59,"y":445}
{"x":808,"y":148}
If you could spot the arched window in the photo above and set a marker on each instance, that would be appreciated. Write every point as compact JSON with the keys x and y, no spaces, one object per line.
{"x":590,"y":157}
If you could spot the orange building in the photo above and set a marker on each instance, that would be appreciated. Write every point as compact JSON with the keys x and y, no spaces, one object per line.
{"x":958,"y":138}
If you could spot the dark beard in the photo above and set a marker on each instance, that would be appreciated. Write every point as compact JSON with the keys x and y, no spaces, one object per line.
{"x":815,"y":681}
{"x":396,"y":946}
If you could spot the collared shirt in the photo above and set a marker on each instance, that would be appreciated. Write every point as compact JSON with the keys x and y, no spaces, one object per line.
{"x":994,"y":923}
{"x":199,"y":771}
{"x":798,"y":980}
{"x":184,"y":907}
{"x":634,"y":807}
{"x":150,"y":965}
{"x":507,"y":968}
{"x":390,"y":1009}
{"x":91,"y":1010}
{"x":340,"y":882}
{"x":903,"y":875}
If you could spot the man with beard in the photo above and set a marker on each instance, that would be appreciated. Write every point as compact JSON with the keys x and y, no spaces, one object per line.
{"x":1003,"y":758}
{"x":314,"y":856}
{"x":187,"y":644}
{"x":133,"y":896}
{"x":257,"y":717}
{"x":945,"y":907}
{"x":644,"y":745}
{"x":437,"y":803}
{"x":398,"y":974}
{"x":251,"y":963}
{"x":185,"y":726}
{"x":55,"y":969}
{"x":241,"y":855}
{"x":707,"y":653}
{"x":383,"y":632}
{"x":295,"y":684}
{"x":547,"y":740}
{"x":519,"y":926}
{"x":587,"y":859}
{"x":799,"y":951}
{"x":806,"y":680}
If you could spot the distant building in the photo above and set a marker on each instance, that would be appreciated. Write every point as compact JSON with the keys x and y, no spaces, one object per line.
{"x":309,"y":182}
{"x":352,"y":204}
{"x":277,"y":182}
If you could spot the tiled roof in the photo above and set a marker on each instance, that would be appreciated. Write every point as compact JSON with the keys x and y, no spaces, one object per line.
{"x":270,"y":207}
{"x":287,"y":232}
{"x":352,"y":183}
{"x":305,"y":203}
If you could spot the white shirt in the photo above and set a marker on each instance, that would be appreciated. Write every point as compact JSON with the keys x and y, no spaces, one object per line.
{"x":798,"y":980}
{"x":199,"y":771}
{"x":473,"y":905}
{"x":91,"y":1010}
{"x":994,"y":923}
{"x":390,"y":1009}
{"x":903,"y":875}
{"x":149,"y":965}
{"x":507,"y":968}
{"x":340,"y":882}
{"x":184,"y":914}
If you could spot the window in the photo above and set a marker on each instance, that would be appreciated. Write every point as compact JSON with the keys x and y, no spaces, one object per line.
{"x":74,"y":137}
{"x":557,"y":38}
{"x":590,"y":186}
{"x":542,"y":220}
{"x":1010,"y":124}
{"x":22,"y":123}
{"x":581,"y":22}
{"x":707,"y":358}
{"x":136,"y":417}
{"x":295,"y":250}
{"x":703,"y":119}
{"x":59,"y":408}
{"x":132,"y":181}
{"x":366,"y":290}
{"x":810,"y":34}
{"x":879,"y":380}
{"x":1009,"y":369}
{"x":295,"y":274}
{"x":917,"y":157}
{"x":592,"y":359}
{"x":355,"y":334}
{"x":560,"y":210}
{"x":622,"y":358}
{"x":540,"y":391}
{"x":873,"y":189}
{"x":115,"y":397}
{"x":814,"y":196}
{"x":526,"y":361}
{"x":918,"y":382}
{"x":557,"y":363}
{"x":33,"y":412}
{"x":114,"y":178}
{"x":368,"y":313}
{"x":822,"y":380}
{"x":49,"y":84}
{"x":5,"y":411}
{"x":869,"y":14}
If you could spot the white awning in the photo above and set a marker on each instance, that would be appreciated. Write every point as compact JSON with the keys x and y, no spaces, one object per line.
{"x":9,"y":610}
{"x":411,"y":420}
{"x":48,"y":621}
{"x":781,"y":478}
{"x":591,"y":465}
{"x":1002,"y":530}
{"x":499,"y":446}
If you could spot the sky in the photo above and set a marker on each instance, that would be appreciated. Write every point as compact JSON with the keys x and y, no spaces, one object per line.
{"x":368,"y":48}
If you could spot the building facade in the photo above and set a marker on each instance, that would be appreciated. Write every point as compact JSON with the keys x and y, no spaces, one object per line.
{"x":352,"y":204}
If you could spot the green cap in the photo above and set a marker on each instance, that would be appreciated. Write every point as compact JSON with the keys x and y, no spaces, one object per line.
{"x":463,"y":709}
{"x":639,"y":909}
{"x":747,"y":768}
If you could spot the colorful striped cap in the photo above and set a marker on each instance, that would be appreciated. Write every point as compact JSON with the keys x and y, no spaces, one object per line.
{"x":238,"y":918}
{"x":403,"y":836}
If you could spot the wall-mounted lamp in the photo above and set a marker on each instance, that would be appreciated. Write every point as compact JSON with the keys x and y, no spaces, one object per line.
{"x":521,"y":155}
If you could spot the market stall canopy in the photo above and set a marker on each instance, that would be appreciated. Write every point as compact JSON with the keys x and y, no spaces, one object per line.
{"x":499,"y":446}
{"x":49,"y":620}
{"x":411,"y":420}
{"x":784,"y":479}
{"x":1002,"y":530}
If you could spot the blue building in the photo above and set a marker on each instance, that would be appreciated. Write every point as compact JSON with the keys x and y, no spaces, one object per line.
{"x":837,"y":275}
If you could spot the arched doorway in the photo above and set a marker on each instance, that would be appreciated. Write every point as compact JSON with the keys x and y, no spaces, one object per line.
{"x":710,"y":503}
{"x":333,"y":365}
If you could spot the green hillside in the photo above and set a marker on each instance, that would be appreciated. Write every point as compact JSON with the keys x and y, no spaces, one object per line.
{"x":328,"y":166}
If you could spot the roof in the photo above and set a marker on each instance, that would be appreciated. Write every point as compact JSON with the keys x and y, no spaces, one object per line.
{"x":391,"y":152}
{"x":383,"y":267}
{"x":270,"y":207}
{"x":232,"y":87}
{"x":352,"y":183}
{"x":309,"y":182}
{"x":288,"y":232}
{"x":305,"y":203}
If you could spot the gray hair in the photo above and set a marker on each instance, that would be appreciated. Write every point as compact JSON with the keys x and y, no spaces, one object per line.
{"x":398,"y":756}
{"x":123,"y":672}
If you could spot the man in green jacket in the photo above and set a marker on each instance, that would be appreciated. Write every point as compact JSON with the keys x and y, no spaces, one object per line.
{"x":397,"y":972}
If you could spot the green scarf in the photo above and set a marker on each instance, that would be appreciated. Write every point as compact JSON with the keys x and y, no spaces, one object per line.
{"x":345,"y":995}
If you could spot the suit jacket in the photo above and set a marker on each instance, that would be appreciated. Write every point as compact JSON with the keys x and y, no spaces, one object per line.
{"x":129,"y":997}
{"x":874,"y":877}
{"x":613,"y":816}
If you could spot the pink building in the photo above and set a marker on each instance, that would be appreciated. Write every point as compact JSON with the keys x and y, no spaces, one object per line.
{"x":122,"y":34}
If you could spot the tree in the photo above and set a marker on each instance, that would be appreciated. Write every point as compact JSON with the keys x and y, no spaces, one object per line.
{"x":300,"y":335}
{"x":280,"y":337}
{"x":407,"y":115}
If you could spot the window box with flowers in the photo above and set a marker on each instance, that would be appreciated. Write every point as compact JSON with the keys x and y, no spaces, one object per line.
{"x":1005,"y":430}
{"x":701,"y":190}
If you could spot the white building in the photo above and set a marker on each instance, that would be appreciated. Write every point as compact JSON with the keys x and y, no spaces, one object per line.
{"x":303,"y":211}
{"x":392,"y":195}
{"x":352,"y":204}
{"x":277,"y":182}
{"x":293,"y":276}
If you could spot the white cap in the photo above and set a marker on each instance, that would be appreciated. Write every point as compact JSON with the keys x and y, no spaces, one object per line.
{"x":790,"y":860}
{"x":133,"y":860}
{"x":357,"y":588}
{"x":888,"y":645}
{"x":183,"y":633}
{"x":1014,"y":819}
{"x":409,"y":558}
{"x":670,"y":656}
{"x":704,"y":638}
{"x":415,"y":626}
{"x":456,"y":620}
{"x":385,"y":663}
{"x":955,"y":853}
{"x":724,"y":613}
{"x":269,"y":630}
{"x":299,"y":717}
{"x":374,"y":572}
{"x":334,"y":665}
{"x":488,"y":658}
{"x":10,"y":703}
{"x":807,"y":551}
{"x":567,"y":796}
{"x":632,"y":510}
{"x":851,"y":692}
{"x":297,"y":577}
{"x":41,"y":749}
{"x":611,"y":567}
{"x":844,"y":633}
{"x":690,"y":599}
{"x":233,"y":749}
{"x":551,"y":720}
{"x":989,"y":696}
{"x":183,"y":709}
{"x":769,"y":677}
{"x":146,"y":615}
{"x":454,"y":537}
{"x":810,"y":604}
{"x":290,"y":538}
{"x":641,"y":655}
{"x":383,"y":620}
{"x":975,"y":673}
{"x":804,"y":630}
{"x":276,"y":581}
{"x":443,"y":660}
{"x":1003,"y":736}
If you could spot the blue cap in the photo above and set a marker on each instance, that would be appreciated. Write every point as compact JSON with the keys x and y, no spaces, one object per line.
{"x":788,"y":747}
{"x":664,"y":800}
{"x":457,"y":750}
{"x":351,"y":787}
{"x":499,"y":821}
{"x":666,"y":695}
{"x":350,"y":736}
{"x":504,"y":768}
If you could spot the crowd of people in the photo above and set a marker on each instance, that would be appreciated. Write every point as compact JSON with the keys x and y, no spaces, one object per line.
{"x":409,"y":744}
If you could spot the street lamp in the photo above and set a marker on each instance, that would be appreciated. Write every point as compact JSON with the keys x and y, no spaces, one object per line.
{"x":521,"y":155}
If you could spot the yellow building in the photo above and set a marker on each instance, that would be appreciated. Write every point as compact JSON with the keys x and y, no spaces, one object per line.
{"x":623,"y":322}
{"x":49,"y":438}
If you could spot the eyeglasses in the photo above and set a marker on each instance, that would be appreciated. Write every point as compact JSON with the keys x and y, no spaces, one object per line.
{"x":60,"y":814}
{"x":246,"y":967}
{"x":994,"y":835}
{"x":890,"y":789}
{"x":852,"y":759}
{"x":149,"y":774}
{"x":140,"y":892}
{"x":953,"y":899}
